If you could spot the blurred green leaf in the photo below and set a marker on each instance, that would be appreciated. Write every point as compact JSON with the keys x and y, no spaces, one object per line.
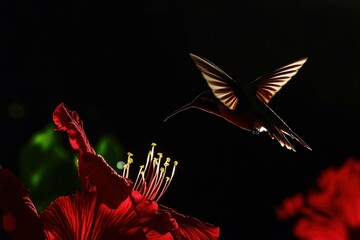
{"x":49,"y":170}
{"x":46,"y":168}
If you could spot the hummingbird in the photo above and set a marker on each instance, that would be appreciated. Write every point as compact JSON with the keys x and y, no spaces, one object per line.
{"x":245,"y":104}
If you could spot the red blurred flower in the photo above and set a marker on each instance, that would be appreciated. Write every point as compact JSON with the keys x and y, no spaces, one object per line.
{"x":329,"y":211}
{"x":110,"y":206}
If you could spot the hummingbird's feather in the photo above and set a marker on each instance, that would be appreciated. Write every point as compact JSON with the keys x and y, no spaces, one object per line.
{"x":276,"y":133}
{"x":268,"y":85}
{"x":221,"y":84}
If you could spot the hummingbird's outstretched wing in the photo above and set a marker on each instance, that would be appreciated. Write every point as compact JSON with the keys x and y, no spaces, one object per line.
{"x":221,"y":84}
{"x":268,"y":85}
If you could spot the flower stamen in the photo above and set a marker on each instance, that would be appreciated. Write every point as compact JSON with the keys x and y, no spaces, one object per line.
{"x":127,"y":165}
{"x":151,"y":180}
{"x":168,"y":181}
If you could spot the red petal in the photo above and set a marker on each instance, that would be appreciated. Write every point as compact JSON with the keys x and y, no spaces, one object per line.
{"x":163,"y":223}
{"x":191,"y":228}
{"x":68,"y":121}
{"x":325,"y":229}
{"x":111,"y":188}
{"x":93,"y":169}
{"x":81,"y":216}
{"x":19,"y":216}
{"x":331,"y":209}
{"x":290,"y":207}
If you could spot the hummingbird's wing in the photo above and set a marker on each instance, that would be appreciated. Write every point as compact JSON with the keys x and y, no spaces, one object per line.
{"x":268,"y":85}
{"x":221,"y":84}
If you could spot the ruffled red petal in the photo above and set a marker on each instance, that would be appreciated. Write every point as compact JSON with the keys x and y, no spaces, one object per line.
{"x":330,"y":210}
{"x":69,"y":121}
{"x":112,"y":189}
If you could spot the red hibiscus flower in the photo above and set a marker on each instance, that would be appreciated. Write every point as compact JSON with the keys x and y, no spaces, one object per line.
{"x":330,"y":211}
{"x":110,"y":206}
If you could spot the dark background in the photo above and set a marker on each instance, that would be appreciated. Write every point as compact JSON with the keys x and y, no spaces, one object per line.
{"x":125,"y":65}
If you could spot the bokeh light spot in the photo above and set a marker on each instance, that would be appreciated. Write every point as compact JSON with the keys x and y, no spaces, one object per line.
{"x":120,"y":165}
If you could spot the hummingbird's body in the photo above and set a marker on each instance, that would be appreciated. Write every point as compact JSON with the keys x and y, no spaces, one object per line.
{"x":241,"y":117}
{"x":245,"y":104}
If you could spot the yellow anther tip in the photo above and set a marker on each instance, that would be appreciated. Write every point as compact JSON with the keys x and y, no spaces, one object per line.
{"x":176,"y":163}
{"x":153,"y":144}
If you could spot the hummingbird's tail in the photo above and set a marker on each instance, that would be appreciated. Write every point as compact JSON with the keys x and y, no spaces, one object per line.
{"x":280,"y":136}
{"x":293,"y":135}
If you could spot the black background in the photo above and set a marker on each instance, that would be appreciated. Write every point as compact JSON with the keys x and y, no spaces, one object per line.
{"x":125,"y":65}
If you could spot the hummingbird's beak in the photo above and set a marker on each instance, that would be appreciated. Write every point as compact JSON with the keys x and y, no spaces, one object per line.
{"x":183,"y":108}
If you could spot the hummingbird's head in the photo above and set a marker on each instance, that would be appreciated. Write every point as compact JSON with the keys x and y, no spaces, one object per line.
{"x":205,"y":101}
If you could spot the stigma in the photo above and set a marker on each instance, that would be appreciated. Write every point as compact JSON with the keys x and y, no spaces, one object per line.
{"x":152,"y":180}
